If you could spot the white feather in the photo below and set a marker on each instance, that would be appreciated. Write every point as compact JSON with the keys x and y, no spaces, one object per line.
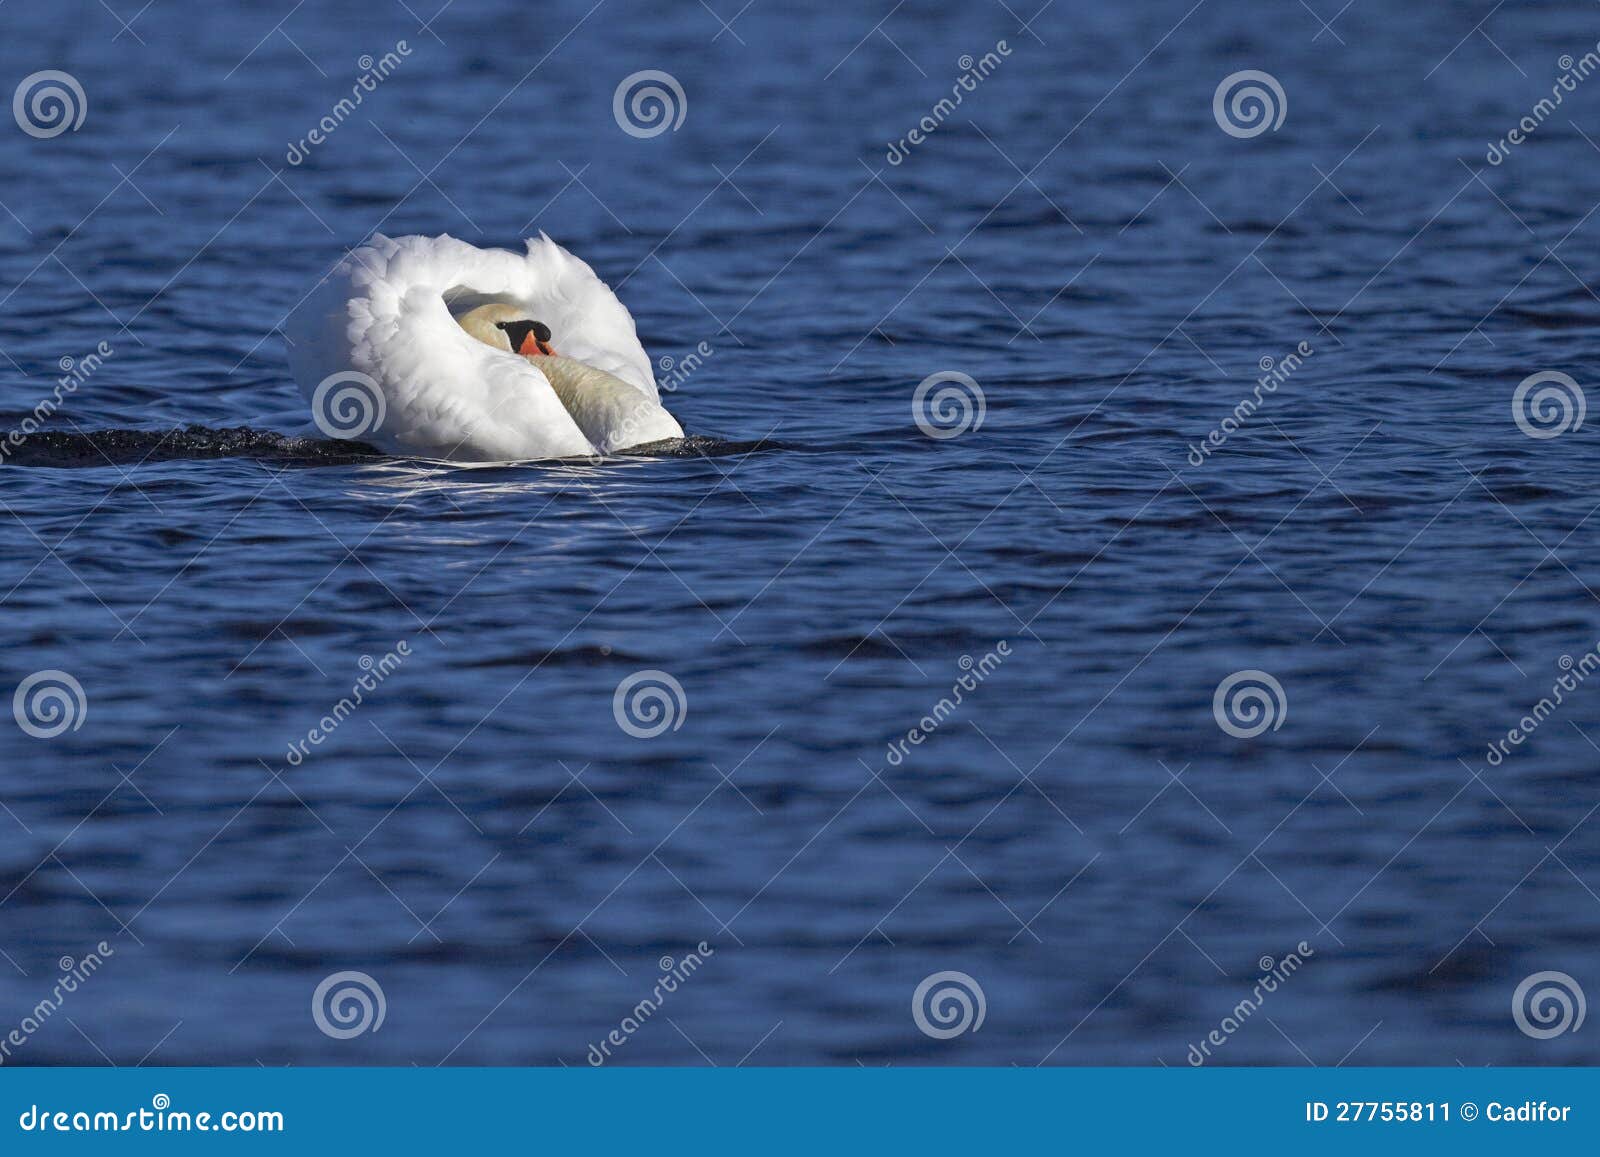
{"x":384,"y":313}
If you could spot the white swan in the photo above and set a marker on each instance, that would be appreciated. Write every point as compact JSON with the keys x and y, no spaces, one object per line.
{"x":431,"y":346}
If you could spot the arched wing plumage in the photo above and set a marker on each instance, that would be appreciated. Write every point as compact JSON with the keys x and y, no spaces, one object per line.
{"x":383,"y":313}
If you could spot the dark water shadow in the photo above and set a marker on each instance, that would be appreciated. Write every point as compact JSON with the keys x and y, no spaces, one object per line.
{"x":79,"y":450}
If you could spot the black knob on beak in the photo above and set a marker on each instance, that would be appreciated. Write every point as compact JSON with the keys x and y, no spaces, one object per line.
{"x":517,"y":333}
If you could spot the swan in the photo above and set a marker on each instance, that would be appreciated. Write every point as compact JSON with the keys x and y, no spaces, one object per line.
{"x":431,"y":346}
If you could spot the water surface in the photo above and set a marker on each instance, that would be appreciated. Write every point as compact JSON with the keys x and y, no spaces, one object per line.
{"x":1079,"y":836}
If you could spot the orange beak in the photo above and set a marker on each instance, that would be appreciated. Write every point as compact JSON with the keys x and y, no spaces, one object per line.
{"x":533,"y":347}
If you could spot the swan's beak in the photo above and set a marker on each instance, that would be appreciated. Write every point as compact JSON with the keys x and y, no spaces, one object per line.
{"x":533,"y":347}
{"x":528,"y":338}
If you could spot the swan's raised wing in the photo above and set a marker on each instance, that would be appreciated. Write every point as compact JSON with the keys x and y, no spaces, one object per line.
{"x":381,"y":321}
{"x":585,"y":318}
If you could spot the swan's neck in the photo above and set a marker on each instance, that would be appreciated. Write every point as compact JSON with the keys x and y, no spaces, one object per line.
{"x":609,"y":411}
{"x":581,"y":386}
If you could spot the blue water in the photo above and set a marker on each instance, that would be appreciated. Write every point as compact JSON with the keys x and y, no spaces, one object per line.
{"x":482,"y":838}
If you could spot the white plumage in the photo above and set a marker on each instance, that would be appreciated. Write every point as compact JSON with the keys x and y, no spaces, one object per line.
{"x":406,"y":377}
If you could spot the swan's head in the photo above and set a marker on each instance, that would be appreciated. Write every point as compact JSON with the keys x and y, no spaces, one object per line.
{"x":508,"y":327}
